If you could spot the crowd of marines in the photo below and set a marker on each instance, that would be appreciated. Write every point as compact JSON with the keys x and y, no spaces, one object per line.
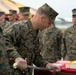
{"x":36,"y":41}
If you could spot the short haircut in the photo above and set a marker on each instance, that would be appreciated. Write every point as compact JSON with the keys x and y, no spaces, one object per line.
{"x":42,"y":11}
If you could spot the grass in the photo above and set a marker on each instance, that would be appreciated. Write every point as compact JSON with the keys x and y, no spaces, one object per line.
{"x":62,"y":29}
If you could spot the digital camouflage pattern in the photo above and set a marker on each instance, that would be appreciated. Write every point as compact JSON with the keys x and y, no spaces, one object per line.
{"x":4,"y":66}
{"x":51,"y":40}
{"x":3,"y":24}
{"x":50,"y":12}
{"x":12,"y":12}
{"x":11,"y":60}
{"x":24,"y":10}
{"x":6,"y":27}
{"x":24,"y":38}
{"x":69,"y":46}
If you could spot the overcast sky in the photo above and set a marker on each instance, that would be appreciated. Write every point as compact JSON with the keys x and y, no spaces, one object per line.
{"x":63,"y":7}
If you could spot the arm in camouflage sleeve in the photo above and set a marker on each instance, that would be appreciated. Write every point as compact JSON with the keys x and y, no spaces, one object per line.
{"x":64,"y":51}
{"x":39,"y":61}
{"x":12,"y":38}
{"x":59,"y":41}
{"x":8,"y":41}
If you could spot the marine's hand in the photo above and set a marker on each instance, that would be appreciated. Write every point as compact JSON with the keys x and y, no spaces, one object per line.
{"x":21,"y":63}
{"x":53,"y":68}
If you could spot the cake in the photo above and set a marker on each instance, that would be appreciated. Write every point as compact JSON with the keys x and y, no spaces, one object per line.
{"x":71,"y":64}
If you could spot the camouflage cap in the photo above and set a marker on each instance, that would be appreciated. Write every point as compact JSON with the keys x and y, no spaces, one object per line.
{"x":74,"y":12}
{"x":50,"y":12}
{"x":2,"y":13}
{"x":12,"y":12}
{"x":24,"y":10}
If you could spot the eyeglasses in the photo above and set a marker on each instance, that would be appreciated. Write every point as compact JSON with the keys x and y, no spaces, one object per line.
{"x":74,"y":16}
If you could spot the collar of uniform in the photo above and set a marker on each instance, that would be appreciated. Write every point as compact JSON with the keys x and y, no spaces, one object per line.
{"x":51,"y":29}
{"x":31,"y":28}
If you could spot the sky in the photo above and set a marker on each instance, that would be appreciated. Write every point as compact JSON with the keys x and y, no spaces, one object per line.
{"x":63,"y":7}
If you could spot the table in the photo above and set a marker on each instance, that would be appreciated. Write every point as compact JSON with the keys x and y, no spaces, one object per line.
{"x":63,"y":72}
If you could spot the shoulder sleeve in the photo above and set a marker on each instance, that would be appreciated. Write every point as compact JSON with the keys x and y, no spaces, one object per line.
{"x":65,"y":41}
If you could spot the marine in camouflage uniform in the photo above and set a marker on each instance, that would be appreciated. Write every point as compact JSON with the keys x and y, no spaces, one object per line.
{"x":12,"y":18}
{"x":24,"y":38}
{"x":4,"y":65}
{"x":51,"y":40}
{"x":24,"y":13}
{"x":3,"y":22}
{"x":69,"y":46}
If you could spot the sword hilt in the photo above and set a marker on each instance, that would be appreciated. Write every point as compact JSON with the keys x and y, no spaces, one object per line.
{"x":15,"y":65}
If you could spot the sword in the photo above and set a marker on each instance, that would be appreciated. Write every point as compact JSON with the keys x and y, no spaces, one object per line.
{"x":32,"y":67}
{"x":38,"y":68}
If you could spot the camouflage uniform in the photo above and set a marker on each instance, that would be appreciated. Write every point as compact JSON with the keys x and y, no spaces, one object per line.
{"x":51,"y":40}
{"x":4,"y":65}
{"x":69,"y":48}
{"x":11,"y":12}
{"x":8,"y":24}
{"x":24,"y":10}
{"x":4,"y":24}
{"x":69,"y":41}
{"x":24,"y":38}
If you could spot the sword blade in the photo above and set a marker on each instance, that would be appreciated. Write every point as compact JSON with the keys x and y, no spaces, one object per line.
{"x":38,"y":68}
